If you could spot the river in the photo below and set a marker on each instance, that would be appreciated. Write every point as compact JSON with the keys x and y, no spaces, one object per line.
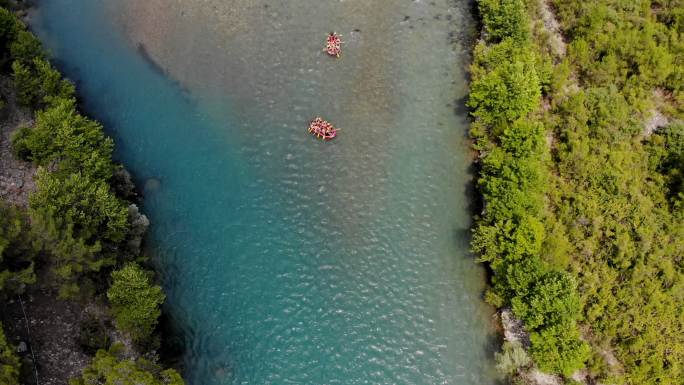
{"x":288,"y":260}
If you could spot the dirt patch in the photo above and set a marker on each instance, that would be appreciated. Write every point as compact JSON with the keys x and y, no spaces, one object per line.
{"x":539,"y":378}
{"x":52,"y":336}
{"x":47,"y":332}
{"x":656,"y":120}
{"x":16,"y":176}
{"x":552,"y":26}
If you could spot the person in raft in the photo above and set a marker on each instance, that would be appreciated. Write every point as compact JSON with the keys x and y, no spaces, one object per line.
{"x":333,"y":44}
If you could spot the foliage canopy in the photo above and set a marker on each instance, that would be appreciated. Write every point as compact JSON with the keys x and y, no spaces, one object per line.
{"x":111,"y":368}
{"x":135,"y":301}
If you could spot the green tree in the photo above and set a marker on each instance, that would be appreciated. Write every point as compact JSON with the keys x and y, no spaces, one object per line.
{"x":25,"y":83}
{"x":9,"y":362}
{"x":553,"y":300}
{"x":135,"y":301}
{"x":110,"y":368}
{"x":87,"y":206}
{"x":666,"y":149}
{"x":38,"y":83}
{"x":16,"y":251}
{"x":26,"y":47}
{"x":505,"y":19}
{"x":515,"y":278}
{"x":74,"y":216}
{"x":9,"y":26}
{"x":63,"y":135}
{"x":505,"y":85}
{"x":558,"y":349}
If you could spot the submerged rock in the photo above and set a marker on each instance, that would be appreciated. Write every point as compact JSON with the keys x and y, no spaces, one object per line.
{"x":151,"y":185}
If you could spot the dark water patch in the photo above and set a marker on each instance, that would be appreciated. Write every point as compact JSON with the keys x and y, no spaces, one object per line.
{"x":151,"y":185}
{"x":142,"y":51}
{"x":159,"y":69}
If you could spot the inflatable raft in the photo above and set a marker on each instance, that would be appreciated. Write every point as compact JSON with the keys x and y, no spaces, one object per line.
{"x":322,"y":129}
{"x":333,"y":44}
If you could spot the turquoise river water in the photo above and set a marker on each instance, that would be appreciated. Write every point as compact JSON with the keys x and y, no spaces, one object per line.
{"x":288,"y":260}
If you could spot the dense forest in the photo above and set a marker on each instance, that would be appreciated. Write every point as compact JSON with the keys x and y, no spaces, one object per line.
{"x":581,"y":171}
{"x":80,"y":234}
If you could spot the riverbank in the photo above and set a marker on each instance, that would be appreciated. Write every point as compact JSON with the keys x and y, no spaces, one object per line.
{"x":59,"y":301}
{"x":594,"y":138}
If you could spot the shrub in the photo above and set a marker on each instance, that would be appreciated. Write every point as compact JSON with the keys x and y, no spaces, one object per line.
{"x":9,"y":26}
{"x":25,"y":83}
{"x":553,"y":300}
{"x":509,"y":241}
{"x":512,"y":358}
{"x":666,"y":149}
{"x":16,"y":252}
{"x":111,"y":368}
{"x":505,"y":19}
{"x":20,"y":145}
{"x":515,"y":278}
{"x":26,"y":47}
{"x":558,"y":349}
{"x":505,"y":85}
{"x":523,"y":139}
{"x":9,"y":362}
{"x":93,"y":336}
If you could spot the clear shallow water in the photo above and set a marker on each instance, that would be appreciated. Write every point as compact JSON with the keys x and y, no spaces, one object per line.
{"x":288,"y":260}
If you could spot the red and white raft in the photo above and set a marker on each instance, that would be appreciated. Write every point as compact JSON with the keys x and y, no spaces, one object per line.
{"x":333,"y":44}
{"x":322,"y":129}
